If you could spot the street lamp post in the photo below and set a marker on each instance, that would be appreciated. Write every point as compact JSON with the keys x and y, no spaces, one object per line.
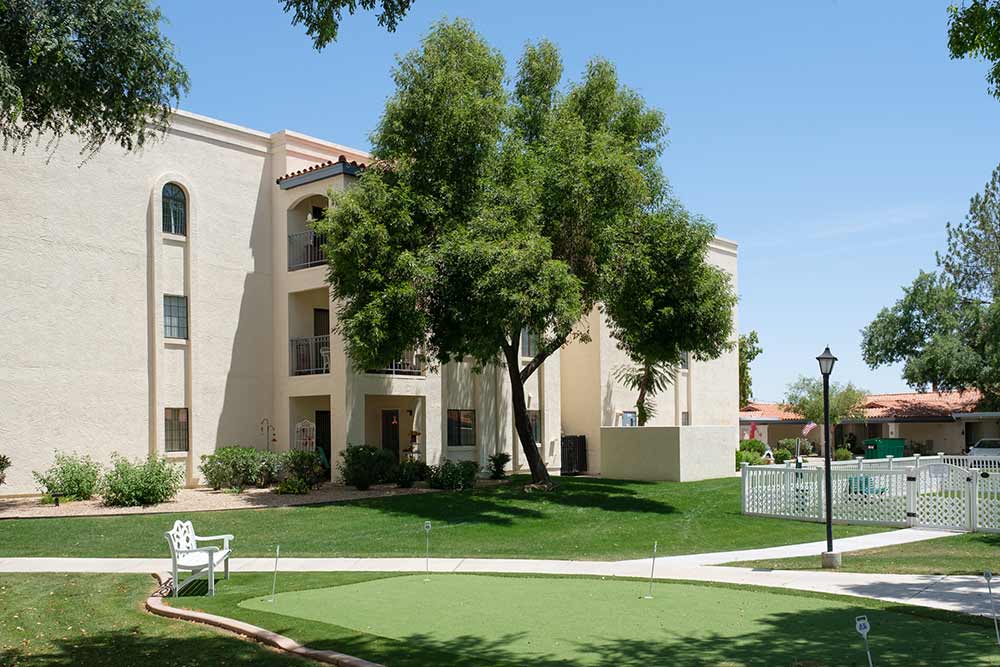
{"x":826,"y":362}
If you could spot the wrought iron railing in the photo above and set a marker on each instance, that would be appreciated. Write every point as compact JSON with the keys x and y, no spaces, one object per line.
{"x":309,"y":356}
{"x":412,"y":363}
{"x":305,"y":249}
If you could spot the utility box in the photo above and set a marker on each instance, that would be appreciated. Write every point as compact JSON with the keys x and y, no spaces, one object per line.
{"x":574,"y":455}
{"x":880,"y":448}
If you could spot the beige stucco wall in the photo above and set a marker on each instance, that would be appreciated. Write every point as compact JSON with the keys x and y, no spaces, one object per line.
{"x":593,"y":399}
{"x":85,"y":366}
{"x":670,"y":453}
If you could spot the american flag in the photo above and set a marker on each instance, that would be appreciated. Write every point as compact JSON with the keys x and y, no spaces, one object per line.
{"x":807,"y":428}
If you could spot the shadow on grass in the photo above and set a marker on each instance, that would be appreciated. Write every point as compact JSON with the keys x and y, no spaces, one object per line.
{"x":502,"y":505}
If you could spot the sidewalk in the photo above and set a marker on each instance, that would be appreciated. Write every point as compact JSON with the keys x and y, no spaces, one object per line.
{"x":965,"y":594}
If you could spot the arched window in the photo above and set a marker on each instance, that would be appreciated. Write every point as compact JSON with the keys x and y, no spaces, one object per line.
{"x":174,"y":210}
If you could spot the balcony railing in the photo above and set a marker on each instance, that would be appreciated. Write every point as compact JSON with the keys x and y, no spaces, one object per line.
{"x":309,"y":356}
{"x":412,"y":363}
{"x":305,"y":249}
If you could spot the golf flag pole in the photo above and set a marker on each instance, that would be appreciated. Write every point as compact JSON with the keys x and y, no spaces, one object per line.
{"x":862,"y":625}
{"x":274,"y":579}
{"x":427,"y":552}
{"x":988,"y":575}
{"x":652,"y":569}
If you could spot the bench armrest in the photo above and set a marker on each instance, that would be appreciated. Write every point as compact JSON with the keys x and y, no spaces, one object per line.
{"x":225,"y":539}
{"x":207,"y":550}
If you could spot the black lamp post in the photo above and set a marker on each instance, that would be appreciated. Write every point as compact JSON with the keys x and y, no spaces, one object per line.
{"x":826,"y":362}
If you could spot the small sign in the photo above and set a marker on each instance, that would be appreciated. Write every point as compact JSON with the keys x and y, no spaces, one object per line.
{"x":427,"y":526}
{"x":987,"y":575}
{"x":862,"y":625}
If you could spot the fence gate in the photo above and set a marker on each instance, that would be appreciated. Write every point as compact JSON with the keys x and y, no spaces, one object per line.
{"x":988,"y":501}
{"x":943,"y":497}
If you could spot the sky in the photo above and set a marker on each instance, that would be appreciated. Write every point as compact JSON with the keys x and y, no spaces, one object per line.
{"x":832,"y":139}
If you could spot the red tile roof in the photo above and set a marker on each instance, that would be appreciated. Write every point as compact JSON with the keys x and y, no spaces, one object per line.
{"x":329,"y":163}
{"x":911,"y":405}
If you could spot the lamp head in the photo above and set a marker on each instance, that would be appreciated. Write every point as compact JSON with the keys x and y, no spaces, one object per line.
{"x":826,"y":361}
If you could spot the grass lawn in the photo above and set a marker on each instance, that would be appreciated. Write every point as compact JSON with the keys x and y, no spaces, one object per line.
{"x":59,"y":620}
{"x":453,"y":620}
{"x":586,"y":518}
{"x":969,"y":553}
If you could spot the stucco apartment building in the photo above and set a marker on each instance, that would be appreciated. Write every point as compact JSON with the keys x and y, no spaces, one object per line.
{"x":930,"y":422}
{"x":173,"y":300}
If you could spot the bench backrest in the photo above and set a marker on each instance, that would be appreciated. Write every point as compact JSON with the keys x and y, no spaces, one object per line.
{"x":181,"y":537}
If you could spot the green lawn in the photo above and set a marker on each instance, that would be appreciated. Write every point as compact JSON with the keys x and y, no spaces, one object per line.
{"x":459,"y":620}
{"x":969,"y":553}
{"x":584,"y":519}
{"x":62,"y":620}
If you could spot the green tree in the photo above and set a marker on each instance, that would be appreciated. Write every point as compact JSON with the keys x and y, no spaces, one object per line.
{"x":946,"y":327}
{"x":750,"y":349}
{"x":649,"y":379}
{"x":974,"y":32}
{"x":322,"y":18}
{"x":99,"y":69}
{"x":805,"y":397}
{"x":490,"y":211}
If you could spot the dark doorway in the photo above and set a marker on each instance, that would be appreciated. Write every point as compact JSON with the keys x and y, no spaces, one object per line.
{"x":323,"y":434}
{"x":321,"y":322}
{"x":390,"y":431}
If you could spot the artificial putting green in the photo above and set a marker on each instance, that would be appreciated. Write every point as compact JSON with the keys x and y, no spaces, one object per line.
{"x":557,"y":621}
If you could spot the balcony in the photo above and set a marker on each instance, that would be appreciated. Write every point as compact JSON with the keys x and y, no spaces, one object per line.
{"x":411,"y":364}
{"x":305,"y":249}
{"x":309,"y":356}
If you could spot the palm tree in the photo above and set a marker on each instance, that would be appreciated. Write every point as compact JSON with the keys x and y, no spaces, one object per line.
{"x":649,"y":378}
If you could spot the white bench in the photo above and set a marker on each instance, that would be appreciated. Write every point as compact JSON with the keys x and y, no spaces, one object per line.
{"x":187,"y":555}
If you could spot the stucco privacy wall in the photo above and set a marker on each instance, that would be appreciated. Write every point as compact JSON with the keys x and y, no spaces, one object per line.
{"x":81,"y":369}
{"x":668,"y":453}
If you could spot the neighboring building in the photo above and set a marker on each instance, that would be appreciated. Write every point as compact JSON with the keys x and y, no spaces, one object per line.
{"x":930,"y":422}
{"x":169,"y":301}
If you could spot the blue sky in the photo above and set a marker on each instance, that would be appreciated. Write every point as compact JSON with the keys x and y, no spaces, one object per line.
{"x":832,"y":138}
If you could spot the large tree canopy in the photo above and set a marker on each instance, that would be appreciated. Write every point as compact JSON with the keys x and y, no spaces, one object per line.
{"x":322,"y":17}
{"x":489,"y":211}
{"x":974,"y":32}
{"x":99,"y":69}
{"x":946,"y":327}
{"x":804,"y":396}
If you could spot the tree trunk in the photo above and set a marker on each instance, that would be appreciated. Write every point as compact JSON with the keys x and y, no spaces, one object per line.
{"x":539,"y":474}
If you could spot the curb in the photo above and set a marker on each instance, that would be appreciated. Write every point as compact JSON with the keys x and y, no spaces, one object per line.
{"x":156,"y":605}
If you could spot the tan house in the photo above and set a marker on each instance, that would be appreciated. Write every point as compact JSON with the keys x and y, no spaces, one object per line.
{"x":174,"y":300}
{"x":930,"y":422}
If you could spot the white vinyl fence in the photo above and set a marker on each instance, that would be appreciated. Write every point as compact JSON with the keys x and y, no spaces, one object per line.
{"x":958,"y":493}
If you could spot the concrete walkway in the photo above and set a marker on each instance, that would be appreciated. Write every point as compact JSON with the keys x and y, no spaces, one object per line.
{"x":965,"y":594}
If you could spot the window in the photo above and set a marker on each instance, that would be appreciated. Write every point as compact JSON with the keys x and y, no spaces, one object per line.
{"x":685,"y":361}
{"x":685,"y":419}
{"x":630,"y":418}
{"x":529,"y":343}
{"x":174,"y":210}
{"x":461,"y":428}
{"x":535,"y":421}
{"x":175,"y":316}
{"x":175,"y":429}
{"x":317,"y":212}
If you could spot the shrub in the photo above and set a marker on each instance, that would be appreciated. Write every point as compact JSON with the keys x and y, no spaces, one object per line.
{"x":498,"y":462}
{"x":781,"y":455}
{"x":842,"y":454}
{"x":408,"y":472}
{"x":753,"y":446}
{"x":292,"y":485}
{"x":305,"y":466}
{"x":129,"y":484}
{"x":753,"y":458}
{"x":232,"y":468}
{"x":790,"y":443}
{"x":269,"y":468}
{"x":73,"y":476}
{"x":4,"y":464}
{"x":453,"y":476}
{"x":361,"y":466}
